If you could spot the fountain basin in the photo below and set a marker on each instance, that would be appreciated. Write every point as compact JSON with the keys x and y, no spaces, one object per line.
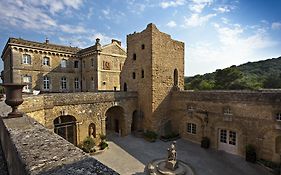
{"x":158,"y":167}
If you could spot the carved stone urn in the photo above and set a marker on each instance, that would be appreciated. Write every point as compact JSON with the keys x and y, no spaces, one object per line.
{"x":13,"y":98}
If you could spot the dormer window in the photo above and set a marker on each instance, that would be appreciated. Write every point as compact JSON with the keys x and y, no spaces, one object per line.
{"x":63,"y":63}
{"x":46,"y":61}
{"x":26,"y":59}
{"x":278,"y":116}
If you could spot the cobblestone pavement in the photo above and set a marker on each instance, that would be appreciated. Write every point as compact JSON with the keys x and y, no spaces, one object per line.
{"x":129,"y":155}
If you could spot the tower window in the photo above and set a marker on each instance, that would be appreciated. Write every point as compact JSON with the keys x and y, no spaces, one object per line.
{"x":134,"y":56}
{"x":142,"y":73}
{"x":134,"y":75}
{"x":142,"y":46}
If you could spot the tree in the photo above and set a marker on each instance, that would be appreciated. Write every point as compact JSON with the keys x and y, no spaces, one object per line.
{"x":272,"y":82}
{"x":225,"y":77}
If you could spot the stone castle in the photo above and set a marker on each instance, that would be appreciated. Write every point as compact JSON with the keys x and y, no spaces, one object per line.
{"x":137,"y":91}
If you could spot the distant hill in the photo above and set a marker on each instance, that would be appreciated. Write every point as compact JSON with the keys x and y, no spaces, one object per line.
{"x":265,"y":74}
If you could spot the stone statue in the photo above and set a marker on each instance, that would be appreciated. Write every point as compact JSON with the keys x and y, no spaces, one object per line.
{"x":172,"y":153}
{"x":171,"y":162}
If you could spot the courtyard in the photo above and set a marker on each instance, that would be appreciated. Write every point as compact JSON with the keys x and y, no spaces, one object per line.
{"x":129,"y":155}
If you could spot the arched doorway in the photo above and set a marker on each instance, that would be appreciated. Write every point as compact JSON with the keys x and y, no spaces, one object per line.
{"x":176,"y":77}
{"x":92,"y":130}
{"x":137,"y":119}
{"x":65,"y":126}
{"x":115,"y":119}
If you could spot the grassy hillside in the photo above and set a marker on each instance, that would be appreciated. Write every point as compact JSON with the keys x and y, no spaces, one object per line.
{"x":252,"y":75}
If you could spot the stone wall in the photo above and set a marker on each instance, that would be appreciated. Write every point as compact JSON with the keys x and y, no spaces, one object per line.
{"x":86,"y":107}
{"x":252,"y":115}
{"x":29,"y":148}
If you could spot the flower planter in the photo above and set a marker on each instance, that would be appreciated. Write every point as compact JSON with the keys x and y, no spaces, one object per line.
{"x":13,"y":98}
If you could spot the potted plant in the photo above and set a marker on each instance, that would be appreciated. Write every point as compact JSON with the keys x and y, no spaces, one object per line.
{"x":251,"y":155}
{"x":150,"y":136}
{"x":88,"y":145}
{"x":205,"y":142}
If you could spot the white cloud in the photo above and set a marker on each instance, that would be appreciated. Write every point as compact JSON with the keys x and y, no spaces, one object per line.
{"x":72,"y":29}
{"x":198,"y":5}
{"x":222,"y":9}
{"x":171,"y":24}
{"x":196,"y":20}
{"x":276,"y":25}
{"x":172,"y":3}
{"x":235,"y":46}
{"x":104,"y":39}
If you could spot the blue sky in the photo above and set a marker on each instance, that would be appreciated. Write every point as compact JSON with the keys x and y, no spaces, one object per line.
{"x":217,"y":33}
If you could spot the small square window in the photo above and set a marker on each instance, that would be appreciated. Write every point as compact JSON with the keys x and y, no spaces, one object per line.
{"x":104,"y":83}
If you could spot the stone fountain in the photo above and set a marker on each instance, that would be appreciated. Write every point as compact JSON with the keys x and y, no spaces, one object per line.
{"x":169,"y":165}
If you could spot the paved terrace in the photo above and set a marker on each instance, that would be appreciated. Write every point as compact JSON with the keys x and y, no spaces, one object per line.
{"x":129,"y":155}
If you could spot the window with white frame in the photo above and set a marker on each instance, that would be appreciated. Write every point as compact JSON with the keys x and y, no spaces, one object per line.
{"x":26,"y":59}
{"x":278,"y":116}
{"x":63,"y":83}
{"x":227,"y":111}
{"x":76,"y":83}
{"x":63,"y":63}
{"x":46,"y":83}
{"x":26,"y":79}
{"x":191,"y":128}
{"x":46,"y":61}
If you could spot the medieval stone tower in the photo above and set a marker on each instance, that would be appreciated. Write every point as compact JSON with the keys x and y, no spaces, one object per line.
{"x":154,"y":67}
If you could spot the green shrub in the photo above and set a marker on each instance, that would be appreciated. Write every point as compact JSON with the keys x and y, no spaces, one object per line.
{"x":251,"y":155}
{"x":205,"y":142}
{"x":150,"y":135}
{"x":103,"y":145}
{"x":102,"y":137}
{"x":88,"y":145}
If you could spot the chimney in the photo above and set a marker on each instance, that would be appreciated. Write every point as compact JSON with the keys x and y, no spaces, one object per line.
{"x":47,"y":41}
{"x":98,"y":45}
{"x":116,"y":41}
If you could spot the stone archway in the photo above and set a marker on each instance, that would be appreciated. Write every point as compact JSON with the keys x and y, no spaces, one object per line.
{"x":137,"y":119}
{"x":65,"y":126}
{"x":115,"y":120}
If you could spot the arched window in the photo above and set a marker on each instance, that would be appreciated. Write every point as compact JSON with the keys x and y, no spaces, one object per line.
{"x":176,"y":78}
{"x":65,"y":126}
{"x":125,"y":87}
